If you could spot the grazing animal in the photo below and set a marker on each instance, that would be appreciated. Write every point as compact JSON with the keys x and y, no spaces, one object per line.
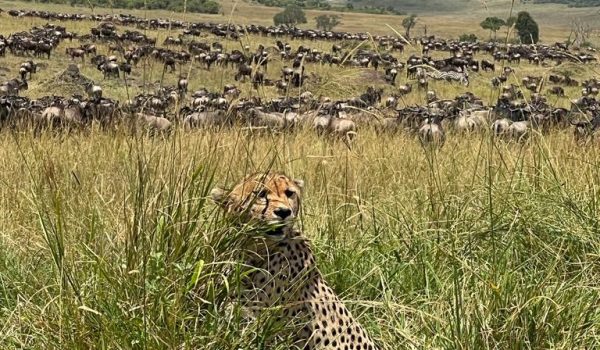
{"x":519,"y":131}
{"x":487,"y":65}
{"x":282,"y":271}
{"x":93,"y":91}
{"x":465,"y":124}
{"x":587,"y":130}
{"x":244,"y":70}
{"x":182,"y":86}
{"x":432,"y":133}
{"x":205,"y":119}
{"x":63,"y":116}
{"x":154,"y":124}
{"x":335,"y":126}
{"x":273,"y":121}
{"x":449,"y":76}
{"x":109,"y":69}
{"x":27,"y":68}
{"x":75,"y":52}
{"x":404,"y":90}
{"x":501,"y":127}
{"x":557,"y":90}
{"x":125,"y":67}
{"x":12,"y":87}
{"x":390,"y":75}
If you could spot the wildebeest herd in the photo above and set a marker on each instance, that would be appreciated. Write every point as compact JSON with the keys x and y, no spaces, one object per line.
{"x":520,"y":106}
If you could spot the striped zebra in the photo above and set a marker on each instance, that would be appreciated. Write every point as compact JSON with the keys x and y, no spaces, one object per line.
{"x":449,"y":76}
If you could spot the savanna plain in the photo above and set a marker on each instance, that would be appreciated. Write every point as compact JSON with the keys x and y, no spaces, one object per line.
{"x":109,"y":239}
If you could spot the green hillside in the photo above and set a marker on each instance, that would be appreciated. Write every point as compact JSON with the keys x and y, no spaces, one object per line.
{"x":199,"y":6}
{"x":573,"y":3}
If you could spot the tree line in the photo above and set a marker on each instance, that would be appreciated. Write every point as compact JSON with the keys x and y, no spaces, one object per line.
{"x":326,"y":5}
{"x":571,"y":3}
{"x":523,"y":24}
{"x":198,"y":6}
{"x":293,"y":15}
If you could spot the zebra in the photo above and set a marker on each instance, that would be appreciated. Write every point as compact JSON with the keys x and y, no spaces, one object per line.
{"x":449,"y":76}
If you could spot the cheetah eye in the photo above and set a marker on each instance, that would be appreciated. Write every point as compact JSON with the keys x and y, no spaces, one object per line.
{"x":261,"y":194}
{"x":289,"y":193}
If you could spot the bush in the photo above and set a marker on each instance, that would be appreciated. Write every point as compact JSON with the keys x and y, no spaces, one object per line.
{"x":291,"y":15}
{"x":408,"y":23}
{"x":470,"y":38}
{"x":493,"y":24}
{"x":200,"y":6}
{"x":527,"y":28}
{"x":208,"y":6}
{"x":327,"y":22}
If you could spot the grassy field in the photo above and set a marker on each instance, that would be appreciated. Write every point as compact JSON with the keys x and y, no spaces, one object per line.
{"x":109,"y":241}
{"x":324,"y":80}
{"x":555,"y":20}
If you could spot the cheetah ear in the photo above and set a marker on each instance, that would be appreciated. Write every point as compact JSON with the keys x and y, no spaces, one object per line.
{"x":219,"y":196}
{"x":299,"y":183}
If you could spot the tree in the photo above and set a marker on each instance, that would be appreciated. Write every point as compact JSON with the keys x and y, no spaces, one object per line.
{"x":493,"y":24}
{"x":470,"y":38}
{"x":408,"y":23}
{"x":582,"y":31}
{"x":527,"y":28}
{"x":511,"y":21}
{"x":291,"y":15}
{"x":327,"y":22}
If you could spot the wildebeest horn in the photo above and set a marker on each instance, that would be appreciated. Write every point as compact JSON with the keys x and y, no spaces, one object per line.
{"x":578,"y":123}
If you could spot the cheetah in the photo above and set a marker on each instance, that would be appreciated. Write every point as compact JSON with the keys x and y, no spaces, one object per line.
{"x":283,"y":274}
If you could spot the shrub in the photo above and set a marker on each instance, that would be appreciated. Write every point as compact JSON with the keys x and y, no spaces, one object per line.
{"x":291,"y":15}
{"x":471,"y":38}
{"x":327,"y":22}
{"x":527,"y":28}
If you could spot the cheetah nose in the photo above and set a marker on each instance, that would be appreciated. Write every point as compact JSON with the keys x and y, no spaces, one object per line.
{"x":283,"y":212}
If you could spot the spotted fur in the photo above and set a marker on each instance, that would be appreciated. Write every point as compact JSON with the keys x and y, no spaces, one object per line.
{"x":284,"y":275}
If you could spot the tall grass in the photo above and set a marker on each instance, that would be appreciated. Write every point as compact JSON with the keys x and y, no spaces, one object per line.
{"x":110,"y":242}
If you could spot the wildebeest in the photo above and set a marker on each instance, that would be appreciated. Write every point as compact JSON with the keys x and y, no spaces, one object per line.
{"x":404,"y":90}
{"x":557,"y":90}
{"x":244,"y":70}
{"x":109,"y":69}
{"x":273,"y":121}
{"x":12,"y":87}
{"x":154,"y":124}
{"x":335,"y":126}
{"x":519,"y":131}
{"x":470,"y":121}
{"x":431,"y":133}
{"x":93,"y":91}
{"x":390,"y":75}
{"x":64,"y":114}
{"x":501,"y":127}
{"x":206,"y":119}
{"x":587,"y":130}
{"x":28,"y":67}
{"x":75,"y":53}
{"x":182,"y":86}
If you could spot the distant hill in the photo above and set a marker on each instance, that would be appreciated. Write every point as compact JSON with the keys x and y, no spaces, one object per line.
{"x":199,"y":6}
{"x":398,"y":7}
{"x":572,"y":3}
{"x":418,"y":5}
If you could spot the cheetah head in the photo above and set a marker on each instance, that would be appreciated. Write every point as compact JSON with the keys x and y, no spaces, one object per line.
{"x":271,"y":199}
